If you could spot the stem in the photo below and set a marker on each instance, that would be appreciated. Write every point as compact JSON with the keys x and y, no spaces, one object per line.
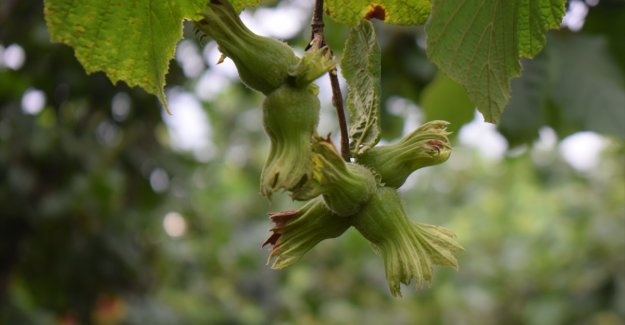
{"x":318,"y":38}
{"x":337,"y":100}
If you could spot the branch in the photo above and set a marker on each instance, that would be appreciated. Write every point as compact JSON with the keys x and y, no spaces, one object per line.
{"x":317,"y":39}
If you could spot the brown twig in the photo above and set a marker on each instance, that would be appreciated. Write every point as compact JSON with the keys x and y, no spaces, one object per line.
{"x":317,"y":38}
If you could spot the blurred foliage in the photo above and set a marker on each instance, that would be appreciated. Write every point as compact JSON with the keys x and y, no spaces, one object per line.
{"x":575,"y":83}
{"x":444,"y":99}
{"x":84,"y":191}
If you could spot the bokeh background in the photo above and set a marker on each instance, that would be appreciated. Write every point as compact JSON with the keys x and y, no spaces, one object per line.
{"x":113,"y":212}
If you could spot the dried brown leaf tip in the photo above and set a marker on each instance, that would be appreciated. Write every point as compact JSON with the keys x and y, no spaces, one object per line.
{"x":376,"y":11}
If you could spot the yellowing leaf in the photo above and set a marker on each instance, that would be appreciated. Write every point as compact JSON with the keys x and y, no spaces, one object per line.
{"x":240,"y":4}
{"x":131,"y":41}
{"x":478,"y":43}
{"x":399,"y":12}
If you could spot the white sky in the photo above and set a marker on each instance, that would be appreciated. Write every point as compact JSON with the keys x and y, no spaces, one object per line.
{"x":12,"y":57}
{"x":484,"y":138}
{"x":582,"y":150}
{"x":188,"y":125}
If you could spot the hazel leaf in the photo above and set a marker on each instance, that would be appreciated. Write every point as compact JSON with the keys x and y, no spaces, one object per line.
{"x":130,"y":41}
{"x":478,"y":43}
{"x":360,"y":66}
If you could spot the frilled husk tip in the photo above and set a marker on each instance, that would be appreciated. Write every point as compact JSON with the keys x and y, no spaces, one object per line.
{"x":313,"y":65}
{"x":296,"y":232}
{"x":426,"y":146}
{"x":409,"y":249}
{"x":413,"y":255}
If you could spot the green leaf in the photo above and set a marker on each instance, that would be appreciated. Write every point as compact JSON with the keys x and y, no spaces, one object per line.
{"x":131,"y":41}
{"x":608,"y":19}
{"x":525,"y":113}
{"x":444,"y":99}
{"x":590,"y":91}
{"x":574,"y":85}
{"x":478,"y":43}
{"x":405,"y":12}
{"x":360,"y":66}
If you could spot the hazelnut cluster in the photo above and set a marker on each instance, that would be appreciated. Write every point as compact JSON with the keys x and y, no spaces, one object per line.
{"x":361,"y":193}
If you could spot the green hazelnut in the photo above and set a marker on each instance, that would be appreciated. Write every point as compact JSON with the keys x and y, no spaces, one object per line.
{"x":409,"y":249}
{"x":345,"y":187}
{"x":263,"y":63}
{"x":290,"y":118}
